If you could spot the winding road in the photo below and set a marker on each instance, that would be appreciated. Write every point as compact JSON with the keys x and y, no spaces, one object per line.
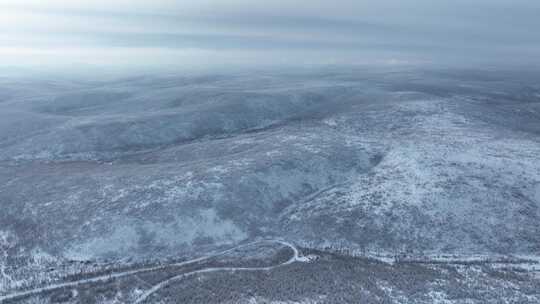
{"x":104,"y":278}
{"x":154,"y":289}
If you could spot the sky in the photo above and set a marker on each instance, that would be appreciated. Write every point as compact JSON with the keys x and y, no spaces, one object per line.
{"x":249,"y":32}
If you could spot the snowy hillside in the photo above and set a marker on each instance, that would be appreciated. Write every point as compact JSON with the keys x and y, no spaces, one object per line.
{"x":95,"y":174}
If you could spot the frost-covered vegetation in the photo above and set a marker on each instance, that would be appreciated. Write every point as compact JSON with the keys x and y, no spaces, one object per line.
{"x":102,"y":176}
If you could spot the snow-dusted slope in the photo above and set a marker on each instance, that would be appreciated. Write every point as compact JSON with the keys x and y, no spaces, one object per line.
{"x":388,"y":162}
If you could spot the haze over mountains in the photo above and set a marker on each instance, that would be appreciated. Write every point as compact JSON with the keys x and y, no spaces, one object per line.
{"x":283,"y":152}
{"x":380,"y":162}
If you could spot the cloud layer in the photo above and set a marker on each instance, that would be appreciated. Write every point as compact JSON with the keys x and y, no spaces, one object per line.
{"x":165,"y":32}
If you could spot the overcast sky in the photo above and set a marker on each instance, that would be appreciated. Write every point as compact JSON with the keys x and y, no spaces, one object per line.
{"x":198,"y":32}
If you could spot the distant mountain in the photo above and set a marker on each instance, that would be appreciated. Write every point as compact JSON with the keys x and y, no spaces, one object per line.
{"x":379,"y":162}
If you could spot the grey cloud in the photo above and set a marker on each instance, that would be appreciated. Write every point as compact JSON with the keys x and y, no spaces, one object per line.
{"x":427,"y":30}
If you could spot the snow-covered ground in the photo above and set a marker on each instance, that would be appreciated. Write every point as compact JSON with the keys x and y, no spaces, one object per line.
{"x":378,"y":163}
